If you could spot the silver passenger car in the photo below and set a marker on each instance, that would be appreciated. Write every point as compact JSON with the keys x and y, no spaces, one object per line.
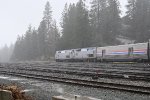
{"x":127,"y":52}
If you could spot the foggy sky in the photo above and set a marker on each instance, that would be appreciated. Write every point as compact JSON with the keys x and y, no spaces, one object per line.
{"x":17,"y":15}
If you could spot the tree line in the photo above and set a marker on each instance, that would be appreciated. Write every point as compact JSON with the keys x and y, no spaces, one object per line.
{"x":137,"y":20}
{"x":38,"y":44}
{"x":6,"y":52}
{"x":83,"y":27}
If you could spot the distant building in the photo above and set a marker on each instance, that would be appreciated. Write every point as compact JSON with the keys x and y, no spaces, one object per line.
{"x":125,"y":40}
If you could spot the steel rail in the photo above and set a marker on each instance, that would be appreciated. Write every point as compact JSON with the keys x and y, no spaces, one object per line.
{"x":95,"y":84}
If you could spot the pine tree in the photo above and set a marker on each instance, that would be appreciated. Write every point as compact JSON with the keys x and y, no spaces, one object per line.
{"x":55,"y":37}
{"x":113,"y":23}
{"x":97,"y":15}
{"x":46,"y":34}
{"x":83,"y":34}
{"x":28,"y":44}
{"x":52,"y":39}
{"x":4,"y":54}
{"x":105,"y":21}
{"x":68,"y":27}
{"x":138,"y":15}
{"x":64,"y":26}
{"x":42,"y":31}
{"x":47,"y":15}
{"x":18,"y":49}
{"x":34,"y":42}
{"x":38,"y":44}
{"x":75,"y":26}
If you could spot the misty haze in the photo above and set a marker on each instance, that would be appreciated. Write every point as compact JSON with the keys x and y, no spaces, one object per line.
{"x":72,"y":27}
{"x":80,"y":49}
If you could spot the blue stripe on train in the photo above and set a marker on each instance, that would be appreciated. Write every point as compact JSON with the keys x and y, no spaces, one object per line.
{"x":121,"y":53}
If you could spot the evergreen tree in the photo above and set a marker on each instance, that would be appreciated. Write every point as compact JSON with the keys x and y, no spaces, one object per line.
{"x":38,"y":44}
{"x":113,"y":23}
{"x":4,"y":54}
{"x":63,"y":24}
{"x":105,"y":21}
{"x":96,"y":16}
{"x":138,"y":15}
{"x":28,"y":44}
{"x":47,"y":15}
{"x":18,"y":50}
{"x":75,"y":26}
{"x":46,"y":34}
{"x":54,"y":38}
{"x":34,"y":42}
{"x":42,"y":31}
{"x":68,"y":27}
{"x":83,"y":34}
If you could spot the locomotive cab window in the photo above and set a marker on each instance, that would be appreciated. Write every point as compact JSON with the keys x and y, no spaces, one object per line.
{"x":90,"y":55}
{"x":78,"y":50}
{"x":90,"y":49}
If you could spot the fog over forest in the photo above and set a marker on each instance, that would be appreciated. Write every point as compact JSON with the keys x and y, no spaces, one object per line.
{"x":101,"y":25}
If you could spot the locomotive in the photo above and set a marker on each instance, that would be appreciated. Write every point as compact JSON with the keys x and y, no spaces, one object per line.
{"x":119,"y":53}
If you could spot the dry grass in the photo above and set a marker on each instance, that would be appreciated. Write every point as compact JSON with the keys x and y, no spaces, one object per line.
{"x":17,"y":92}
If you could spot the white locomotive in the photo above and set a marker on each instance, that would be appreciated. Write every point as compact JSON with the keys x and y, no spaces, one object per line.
{"x":129,"y":52}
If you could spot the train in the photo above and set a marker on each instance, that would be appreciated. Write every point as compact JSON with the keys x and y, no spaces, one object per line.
{"x":138,"y":52}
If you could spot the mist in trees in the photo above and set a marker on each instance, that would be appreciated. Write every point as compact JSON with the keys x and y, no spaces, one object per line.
{"x":6,"y":53}
{"x":105,"y":21}
{"x":75,"y":26}
{"x":138,"y":20}
{"x":38,"y":44}
{"x":81,"y":26}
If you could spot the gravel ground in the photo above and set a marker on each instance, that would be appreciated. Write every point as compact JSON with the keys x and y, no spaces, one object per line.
{"x":119,"y":81}
{"x":44,"y":90}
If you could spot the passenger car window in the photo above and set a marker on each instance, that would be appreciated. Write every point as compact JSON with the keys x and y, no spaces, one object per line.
{"x":130,"y":51}
{"x":103,"y":53}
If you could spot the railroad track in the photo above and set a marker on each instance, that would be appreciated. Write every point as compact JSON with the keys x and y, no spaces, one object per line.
{"x":113,"y":74}
{"x":25,"y":70}
{"x":89,"y":83}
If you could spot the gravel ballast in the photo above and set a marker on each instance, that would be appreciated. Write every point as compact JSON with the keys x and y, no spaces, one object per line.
{"x":44,"y":90}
